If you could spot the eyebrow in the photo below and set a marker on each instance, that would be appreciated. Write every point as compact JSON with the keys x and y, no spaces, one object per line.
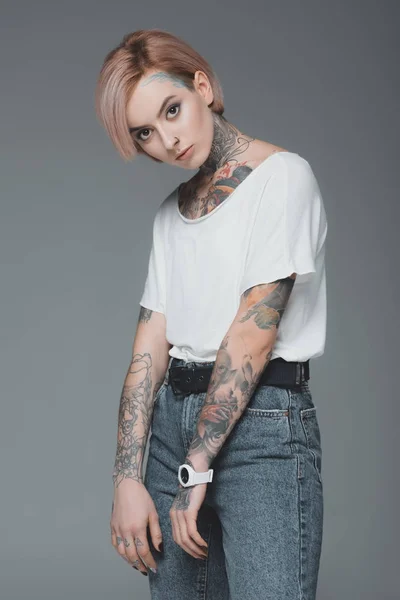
{"x":164,"y":102}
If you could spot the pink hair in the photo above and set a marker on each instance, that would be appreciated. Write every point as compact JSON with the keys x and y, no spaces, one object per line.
{"x":125,"y":65}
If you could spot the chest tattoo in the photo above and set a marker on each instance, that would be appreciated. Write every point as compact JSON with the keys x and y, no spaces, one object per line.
{"x":198,"y":200}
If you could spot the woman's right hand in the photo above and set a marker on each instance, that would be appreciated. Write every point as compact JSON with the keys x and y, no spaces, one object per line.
{"x":134,"y":510}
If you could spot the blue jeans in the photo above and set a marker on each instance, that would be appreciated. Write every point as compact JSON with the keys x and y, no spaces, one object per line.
{"x":262,"y":517}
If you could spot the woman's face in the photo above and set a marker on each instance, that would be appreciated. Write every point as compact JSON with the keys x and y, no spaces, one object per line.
{"x":165,"y":127}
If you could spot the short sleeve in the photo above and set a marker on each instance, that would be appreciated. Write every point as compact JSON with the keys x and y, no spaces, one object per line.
{"x":286,"y":230}
{"x":154,"y":289}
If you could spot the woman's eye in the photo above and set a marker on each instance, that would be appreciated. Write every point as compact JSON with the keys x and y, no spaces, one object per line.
{"x":139,"y":135}
{"x":174,"y":106}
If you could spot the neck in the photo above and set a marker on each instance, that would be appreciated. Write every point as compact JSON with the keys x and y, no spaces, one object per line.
{"x":228,"y":142}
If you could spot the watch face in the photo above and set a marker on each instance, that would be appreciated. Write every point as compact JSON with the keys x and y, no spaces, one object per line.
{"x":184,"y":475}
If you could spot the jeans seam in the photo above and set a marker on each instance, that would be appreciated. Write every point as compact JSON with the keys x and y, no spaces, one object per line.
{"x":301,"y":537}
{"x":204,"y":568}
{"x":272,"y":413}
{"x":291,"y":444}
{"x":307,"y":437}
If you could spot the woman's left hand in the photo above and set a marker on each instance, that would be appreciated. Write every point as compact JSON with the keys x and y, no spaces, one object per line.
{"x":183,"y":514}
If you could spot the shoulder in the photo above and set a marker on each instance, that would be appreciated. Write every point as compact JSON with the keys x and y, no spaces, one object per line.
{"x":293,"y":164}
{"x":284,"y":169}
{"x":296,"y":175}
{"x":166,"y":208}
{"x":302,"y":196}
{"x":289,"y":186}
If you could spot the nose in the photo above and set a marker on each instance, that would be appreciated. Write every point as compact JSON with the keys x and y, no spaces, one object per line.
{"x":169,"y":140}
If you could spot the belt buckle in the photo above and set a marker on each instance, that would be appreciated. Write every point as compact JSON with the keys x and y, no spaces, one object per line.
{"x":179,"y":370}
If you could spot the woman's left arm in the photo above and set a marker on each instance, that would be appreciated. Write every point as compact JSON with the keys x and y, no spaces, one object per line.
{"x":242,"y":357}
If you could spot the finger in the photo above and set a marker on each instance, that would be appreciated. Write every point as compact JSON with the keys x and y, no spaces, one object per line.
{"x":114,"y":538}
{"x":138,"y":566}
{"x":175,"y":528}
{"x":143,"y":550}
{"x":186,"y":542}
{"x":155,"y":530}
{"x":120,"y":547}
{"x":191,"y":526}
{"x":180,"y":500}
{"x":132,"y":556}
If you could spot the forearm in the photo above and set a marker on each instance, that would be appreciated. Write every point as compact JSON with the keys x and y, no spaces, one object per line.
{"x":145,"y":375}
{"x":237,"y":370}
{"x":243,"y":355}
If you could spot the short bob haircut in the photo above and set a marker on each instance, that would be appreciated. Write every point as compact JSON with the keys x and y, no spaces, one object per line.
{"x":125,"y":65}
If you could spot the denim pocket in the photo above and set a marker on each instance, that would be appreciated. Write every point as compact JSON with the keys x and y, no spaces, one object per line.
{"x":269,"y":401}
{"x":312,"y":434}
{"x":274,"y":413}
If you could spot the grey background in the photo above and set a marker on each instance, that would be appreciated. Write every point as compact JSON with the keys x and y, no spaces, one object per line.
{"x":315,"y":77}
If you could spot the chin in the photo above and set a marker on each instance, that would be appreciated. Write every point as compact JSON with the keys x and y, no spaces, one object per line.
{"x":186,"y":166}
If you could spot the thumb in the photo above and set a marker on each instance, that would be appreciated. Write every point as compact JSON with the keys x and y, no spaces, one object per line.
{"x":155,"y":530}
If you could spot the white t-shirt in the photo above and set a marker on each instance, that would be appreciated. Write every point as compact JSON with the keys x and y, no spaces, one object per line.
{"x":273,"y":224}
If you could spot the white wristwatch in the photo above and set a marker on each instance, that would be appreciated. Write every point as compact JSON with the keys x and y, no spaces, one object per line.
{"x":188,"y":476}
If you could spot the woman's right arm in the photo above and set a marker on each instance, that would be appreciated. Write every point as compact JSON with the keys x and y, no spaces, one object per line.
{"x":133,"y":508}
{"x":145,"y":375}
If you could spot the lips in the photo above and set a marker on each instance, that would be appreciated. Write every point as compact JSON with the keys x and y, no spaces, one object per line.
{"x":183,"y":154}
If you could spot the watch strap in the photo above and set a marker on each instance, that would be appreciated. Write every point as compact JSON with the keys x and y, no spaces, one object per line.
{"x":203,"y":477}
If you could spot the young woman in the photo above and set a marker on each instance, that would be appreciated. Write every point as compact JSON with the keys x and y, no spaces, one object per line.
{"x":233,"y":309}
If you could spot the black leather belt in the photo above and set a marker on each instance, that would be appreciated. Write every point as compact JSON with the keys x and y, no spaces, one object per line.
{"x":194,"y":378}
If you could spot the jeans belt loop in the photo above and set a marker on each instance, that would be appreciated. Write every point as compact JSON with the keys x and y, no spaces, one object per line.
{"x":299,"y":373}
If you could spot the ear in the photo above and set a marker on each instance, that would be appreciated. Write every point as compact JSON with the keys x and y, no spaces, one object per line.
{"x":203,"y":86}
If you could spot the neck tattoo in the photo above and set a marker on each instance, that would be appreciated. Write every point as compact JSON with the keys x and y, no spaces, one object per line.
{"x":227,"y":143}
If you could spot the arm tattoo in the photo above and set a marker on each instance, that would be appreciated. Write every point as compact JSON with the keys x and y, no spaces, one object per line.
{"x":144,"y":315}
{"x":134,"y":418}
{"x":182,"y":498}
{"x":236,"y":374}
{"x":228,"y":392}
{"x":269,"y":310}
